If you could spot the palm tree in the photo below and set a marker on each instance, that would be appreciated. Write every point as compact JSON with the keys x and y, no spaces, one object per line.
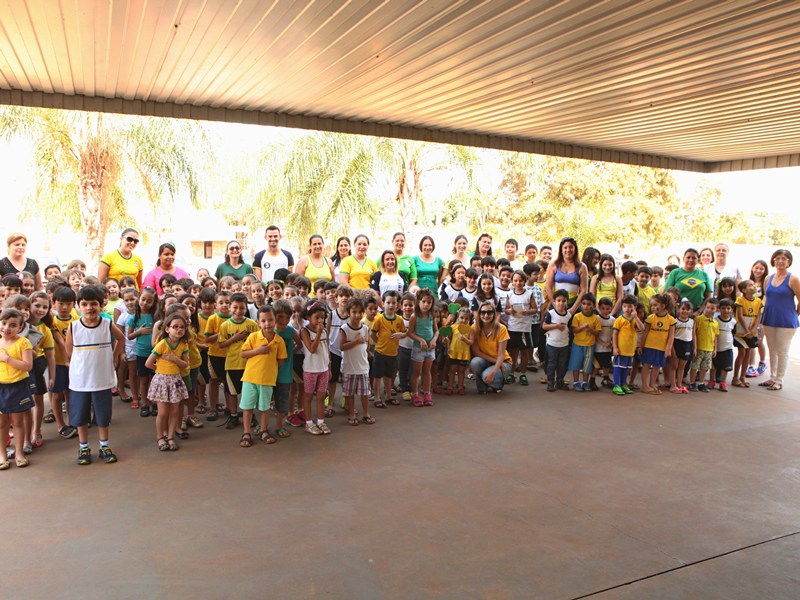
{"x":81,"y":158}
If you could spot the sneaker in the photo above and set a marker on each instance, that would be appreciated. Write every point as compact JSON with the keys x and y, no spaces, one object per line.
{"x":313,"y":429}
{"x":543,"y":379}
{"x":627,"y":389}
{"x":762,"y":368}
{"x":702,"y":388}
{"x":618,"y":390}
{"x":551,"y":387}
{"x":154,"y":411}
{"x":145,"y":411}
{"x":510,"y":378}
{"x":417,"y":401}
{"x":107,"y":454}
{"x":232,"y":422}
{"x":523,"y":380}
{"x":407,"y":396}
{"x":324,"y":429}
{"x":751,"y":372}
{"x":184,"y":424}
{"x":85,"y":456}
{"x":577,"y":386}
{"x":587,"y":387}
{"x":193,"y":421}
{"x":710,"y":385}
{"x":295,"y":421}
{"x":427,"y":399}
{"x":593,"y":385}
{"x":67,"y":432}
{"x":723,"y":387}
{"x":562,"y":385}
{"x":692,"y":387}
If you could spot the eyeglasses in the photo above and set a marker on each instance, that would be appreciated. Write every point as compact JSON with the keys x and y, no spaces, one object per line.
{"x":484,"y":313}
{"x":132,"y":240}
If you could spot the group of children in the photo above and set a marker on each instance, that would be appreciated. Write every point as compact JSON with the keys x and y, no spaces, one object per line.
{"x":284,"y":347}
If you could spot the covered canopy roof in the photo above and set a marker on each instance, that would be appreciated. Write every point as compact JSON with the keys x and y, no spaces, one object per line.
{"x":696,"y":85}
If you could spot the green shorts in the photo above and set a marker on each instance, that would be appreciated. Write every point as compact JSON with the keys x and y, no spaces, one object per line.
{"x":255,"y":396}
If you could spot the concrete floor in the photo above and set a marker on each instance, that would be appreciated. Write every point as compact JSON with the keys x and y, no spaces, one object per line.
{"x":522,"y":495}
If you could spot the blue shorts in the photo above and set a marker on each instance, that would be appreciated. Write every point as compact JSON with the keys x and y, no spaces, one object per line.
{"x":141,"y":369}
{"x":653,"y":357}
{"x":623,"y":362}
{"x":280,"y":397}
{"x":80,"y":404}
{"x":580,"y":358}
{"x":61,"y":380}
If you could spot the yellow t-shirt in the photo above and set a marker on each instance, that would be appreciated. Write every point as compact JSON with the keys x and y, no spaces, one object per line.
{"x":706,"y":332}
{"x":488,"y":344}
{"x":459,"y":349}
{"x":60,"y":327}
{"x":234,"y":360}
{"x":195,"y":359}
{"x":658,"y":335}
{"x":9,"y":374}
{"x":584,"y":338}
{"x":213,"y":325}
{"x":47,"y":343}
{"x":626,"y":336}
{"x":359,"y":272}
{"x":262,"y":369}
{"x":163,"y":348}
{"x":385,"y":327}
{"x":119,"y":266}
{"x":750,"y":310}
{"x":645,"y":293}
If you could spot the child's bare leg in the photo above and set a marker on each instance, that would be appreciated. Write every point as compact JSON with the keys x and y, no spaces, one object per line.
{"x":38,"y":415}
{"x":213,"y":393}
{"x":57,"y":406}
{"x":307,"y":405}
{"x":416,"y":370}
{"x":461,"y":370}
{"x":653,"y":378}
{"x":365,"y":406}
{"x":646,"y":378}
{"x":133,"y":378}
{"x":18,"y":423}
{"x":174,"y":418}
{"x":162,"y":420}
{"x":247,"y":418}
{"x":143,"y":385}
{"x":122,"y":378}
{"x":426,"y":375}
{"x":320,"y":405}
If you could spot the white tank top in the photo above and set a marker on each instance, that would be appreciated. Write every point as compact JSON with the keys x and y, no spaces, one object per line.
{"x":91,"y":367}
{"x":319,"y":361}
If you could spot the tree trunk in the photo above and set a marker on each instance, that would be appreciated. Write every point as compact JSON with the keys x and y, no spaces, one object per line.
{"x":92,"y":195}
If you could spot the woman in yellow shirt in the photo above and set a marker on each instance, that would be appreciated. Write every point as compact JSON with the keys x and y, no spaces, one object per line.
{"x":490,"y":362}
{"x":357,"y":270}
{"x":122,"y":261}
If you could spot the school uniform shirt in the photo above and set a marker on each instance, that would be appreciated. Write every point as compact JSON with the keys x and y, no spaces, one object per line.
{"x":658,"y":336}
{"x":336,"y":324}
{"x":213,"y":325}
{"x":164,"y":348}
{"x":9,"y":374}
{"x":385,"y":327}
{"x":143,"y":344}
{"x":262,"y":369}
{"x":47,"y":343}
{"x":750,"y":310}
{"x":355,"y":360}
{"x":60,"y":327}
{"x":234,"y":360}
{"x":605,"y":339}
{"x":195,"y":358}
{"x":447,"y":293}
{"x":684,"y":330}
{"x":91,"y":367}
{"x":406,"y":342}
{"x":645,"y":293}
{"x":584,"y":338}
{"x":626,"y":336}
{"x":521,"y":323}
{"x":725,"y":337}
{"x":707,"y":332}
{"x":556,"y":337}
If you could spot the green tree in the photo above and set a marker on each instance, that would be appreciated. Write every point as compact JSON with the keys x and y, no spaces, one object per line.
{"x":82,"y":157}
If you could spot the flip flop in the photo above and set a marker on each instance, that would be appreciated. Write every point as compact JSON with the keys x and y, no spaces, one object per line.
{"x":766,"y":384}
{"x":775,"y":387}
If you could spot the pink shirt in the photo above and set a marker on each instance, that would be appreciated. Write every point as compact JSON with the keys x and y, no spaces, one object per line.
{"x":151,"y":279}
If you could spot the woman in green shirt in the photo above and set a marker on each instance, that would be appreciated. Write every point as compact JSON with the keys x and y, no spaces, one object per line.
{"x":405,"y":263}
{"x":233,"y":264}
{"x":691,"y":280}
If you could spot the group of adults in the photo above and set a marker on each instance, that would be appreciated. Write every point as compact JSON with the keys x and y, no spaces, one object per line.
{"x":695,"y":277}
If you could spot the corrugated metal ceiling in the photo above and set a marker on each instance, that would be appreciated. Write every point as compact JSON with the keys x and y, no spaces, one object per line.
{"x":702,"y":84}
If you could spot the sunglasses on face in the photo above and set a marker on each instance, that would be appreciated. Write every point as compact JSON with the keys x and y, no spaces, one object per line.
{"x":485,"y":313}
{"x":234,"y":248}
{"x":132,"y":240}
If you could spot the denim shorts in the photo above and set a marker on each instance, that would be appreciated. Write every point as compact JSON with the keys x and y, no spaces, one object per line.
{"x":420,"y":355}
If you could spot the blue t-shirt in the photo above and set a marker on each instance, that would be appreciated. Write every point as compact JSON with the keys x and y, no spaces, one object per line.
{"x":286,"y":369}
{"x":144,"y":343}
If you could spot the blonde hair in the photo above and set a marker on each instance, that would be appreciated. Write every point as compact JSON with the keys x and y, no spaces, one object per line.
{"x":15,"y":237}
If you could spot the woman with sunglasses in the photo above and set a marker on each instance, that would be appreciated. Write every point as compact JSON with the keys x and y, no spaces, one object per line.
{"x":122,"y":262}
{"x":490,"y":362}
{"x":233,"y":264}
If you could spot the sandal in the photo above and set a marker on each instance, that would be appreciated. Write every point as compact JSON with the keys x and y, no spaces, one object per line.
{"x":171,"y":443}
{"x":352,"y":421}
{"x":220,"y":407}
{"x":767,"y":383}
{"x":739,"y":384}
{"x":200,"y":409}
{"x":368,"y":420}
{"x":212,"y":415}
{"x":49,"y":417}
{"x":163,"y":445}
{"x":134,"y":405}
{"x":21,"y":461}
{"x":267,"y":438}
{"x":329,"y":413}
{"x":36,"y":441}
{"x":282,"y":433}
{"x":380,"y":404}
{"x":246,"y":440}
{"x":775,"y":387}
{"x":394,"y":401}
{"x":184,"y":435}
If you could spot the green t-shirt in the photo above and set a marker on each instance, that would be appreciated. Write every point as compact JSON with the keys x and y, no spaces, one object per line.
{"x":225,"y":269}
{"x":406,"y":266}
{"x":693,"y":284}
